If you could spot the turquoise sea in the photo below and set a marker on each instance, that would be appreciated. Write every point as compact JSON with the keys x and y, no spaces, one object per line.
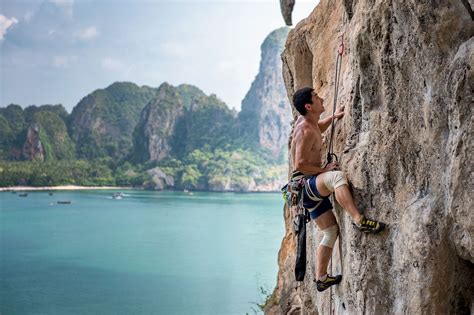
{"x":148,"y":253}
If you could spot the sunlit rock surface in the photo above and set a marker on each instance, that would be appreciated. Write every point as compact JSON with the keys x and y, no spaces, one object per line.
{"x":265,"y":117}
{"x":406,"y":145}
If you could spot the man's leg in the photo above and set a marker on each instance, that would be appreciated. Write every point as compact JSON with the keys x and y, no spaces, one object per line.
{"x":343,"y":195}
{"x":335,"y":181}
{"x":324,"y":221}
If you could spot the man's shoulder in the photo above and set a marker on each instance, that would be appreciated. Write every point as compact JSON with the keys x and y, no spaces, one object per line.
{"x":308,"y":129}
{"x":305,"y":131}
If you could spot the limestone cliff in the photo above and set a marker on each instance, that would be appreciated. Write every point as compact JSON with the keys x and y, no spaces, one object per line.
{"x":36,"y":133}
{"x":179,"y":120}
{"x":286,"y":7}
{"x":33,"y":148}
{"x":156,"y":127}
{"x":102,"y":123}
{"x":265,"y":117}
{"x":53,"y":135}
{"x":406,"y":145}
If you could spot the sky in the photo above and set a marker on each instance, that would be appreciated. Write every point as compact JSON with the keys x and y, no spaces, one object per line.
{"x":58,"y":51}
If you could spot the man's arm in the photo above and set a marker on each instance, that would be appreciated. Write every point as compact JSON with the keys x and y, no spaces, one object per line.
{"x":325,"y":122}
{"x":303,"y":153}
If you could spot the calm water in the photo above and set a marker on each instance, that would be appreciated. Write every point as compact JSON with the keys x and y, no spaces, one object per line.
{"x":149,"y":253}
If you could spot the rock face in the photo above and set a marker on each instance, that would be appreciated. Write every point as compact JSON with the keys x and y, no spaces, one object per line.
{"x":286,"y":7}
{"x":405,"y":144}
{"x":54,"y":135}
{"x":265,"y":117}
{"x":157,"y":125}
{"x":102,"y":123}
{"x":33,"y":149}
{"x":159,"y":179}
{"x":179,"y":120}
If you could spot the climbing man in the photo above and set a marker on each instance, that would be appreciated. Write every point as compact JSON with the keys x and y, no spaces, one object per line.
{"x":321,"y":182}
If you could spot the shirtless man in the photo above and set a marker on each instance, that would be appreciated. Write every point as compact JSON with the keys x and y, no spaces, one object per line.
{"x":321,"y":182}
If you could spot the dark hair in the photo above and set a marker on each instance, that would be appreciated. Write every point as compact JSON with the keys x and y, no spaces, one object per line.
{"x":301,"y":98}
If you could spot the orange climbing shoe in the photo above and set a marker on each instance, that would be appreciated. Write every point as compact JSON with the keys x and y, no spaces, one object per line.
{"x":370,"y":226}
{"x":322,"y":285}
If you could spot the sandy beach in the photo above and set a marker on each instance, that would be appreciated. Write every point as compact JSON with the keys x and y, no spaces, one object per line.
{"x":65,"y":187}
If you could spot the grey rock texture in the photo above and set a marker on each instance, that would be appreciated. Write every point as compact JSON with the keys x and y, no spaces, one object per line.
{"x":286,"y":7}
{"x":406,"y":145}
{"x":160,"y":179}
{"x":102,"y":123}
{"x":32,"y":148}
{"x":265,"y":114}
{"x":157,"y":123}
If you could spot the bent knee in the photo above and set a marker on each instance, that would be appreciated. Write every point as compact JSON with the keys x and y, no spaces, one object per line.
{"x":330,"y":236}
{"x":334,"y":179}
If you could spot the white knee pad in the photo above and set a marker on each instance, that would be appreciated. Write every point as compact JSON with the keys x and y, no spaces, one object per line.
{"x":334,"y":179}
{"x":330,"y":236}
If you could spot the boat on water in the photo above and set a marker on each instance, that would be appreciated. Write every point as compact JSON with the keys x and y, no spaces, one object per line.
{"x":23,"y":195}
{"x":117,"y":195}
{"x":50,"y":193}
{"x":13,"y":192}
{"x":64,"y":202}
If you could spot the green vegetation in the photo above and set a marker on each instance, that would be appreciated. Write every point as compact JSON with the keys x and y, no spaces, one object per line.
{"x":102,"y":123}
{"x":215,"y":169}
{"x":54,"y":136}
{"x":52,"y":173}
{"x":199,"y":170}
{"x":106,"y":139}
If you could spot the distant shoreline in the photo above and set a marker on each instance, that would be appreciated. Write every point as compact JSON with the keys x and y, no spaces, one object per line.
{"x":75,"y":187}
{"x":63,"y":187}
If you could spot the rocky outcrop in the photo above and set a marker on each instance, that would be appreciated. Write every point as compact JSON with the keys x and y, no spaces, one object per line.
{"x":33,"y":149}
{"x":180,"y":120}
{"x":405,"y":143}
{"x":265,"y":117}
{"x":102,"y":123}
{"x":286,"y":7}
{"x":54,"y":135}
{"x":159,"y":180}
{"x":157,"y":125}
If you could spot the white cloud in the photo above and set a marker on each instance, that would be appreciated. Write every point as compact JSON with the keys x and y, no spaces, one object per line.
{"x":87,"y":33}
{"x":64,"y":61}
{"x":5,"y":23}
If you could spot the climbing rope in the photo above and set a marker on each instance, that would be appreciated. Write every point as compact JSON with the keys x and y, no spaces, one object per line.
{"x":337,"y":76}
{"x":330,"y":152}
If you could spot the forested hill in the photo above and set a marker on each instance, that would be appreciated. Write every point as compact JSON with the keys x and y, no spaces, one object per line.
{"x":165,"y":137}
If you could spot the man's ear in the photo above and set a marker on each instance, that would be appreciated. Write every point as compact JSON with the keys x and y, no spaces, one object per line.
{"x":307,"y":106}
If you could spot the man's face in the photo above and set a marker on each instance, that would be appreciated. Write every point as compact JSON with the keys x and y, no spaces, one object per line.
{"x":317,"y":102}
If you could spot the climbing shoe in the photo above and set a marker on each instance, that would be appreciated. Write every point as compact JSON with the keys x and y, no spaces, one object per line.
{"x":369,"y":226}
{"x":322,"y":285}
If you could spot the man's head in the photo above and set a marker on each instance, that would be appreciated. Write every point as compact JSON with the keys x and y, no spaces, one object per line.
{"x":305,"y":99}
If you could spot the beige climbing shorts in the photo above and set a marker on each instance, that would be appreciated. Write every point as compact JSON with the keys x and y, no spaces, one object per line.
{"x":334,"y":179}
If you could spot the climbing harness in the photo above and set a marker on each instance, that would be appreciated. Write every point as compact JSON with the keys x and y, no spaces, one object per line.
{"x":293,"y":195}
